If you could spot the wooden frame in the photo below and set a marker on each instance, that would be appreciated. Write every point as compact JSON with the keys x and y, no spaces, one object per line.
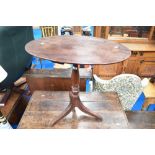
{"x":151,"y":32}
{"x":97,"y":33}
{"x":49,"y":31}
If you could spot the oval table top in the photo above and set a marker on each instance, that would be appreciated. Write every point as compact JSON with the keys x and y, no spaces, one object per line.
{"x":78,"y":50}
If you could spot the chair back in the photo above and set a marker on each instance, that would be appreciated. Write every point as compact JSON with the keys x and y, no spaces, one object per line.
{"x":48,"y":31}
{"x":13,"y":57}
{"x":127,"y":86}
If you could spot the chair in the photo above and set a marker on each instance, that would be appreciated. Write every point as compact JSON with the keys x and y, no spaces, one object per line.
{"x":127,"y":86}
{"x":13,"y":57}
{"x":48,"y":31}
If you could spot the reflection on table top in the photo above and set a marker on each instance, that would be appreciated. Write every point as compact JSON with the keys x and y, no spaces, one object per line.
{"x":78,"y":50}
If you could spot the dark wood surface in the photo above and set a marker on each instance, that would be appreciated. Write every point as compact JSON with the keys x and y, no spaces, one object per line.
{"x":44,"y":106}
{"x":58,"y":73}
{"x":78,"y":50}
{"x":16,"y":105}
{"x":141,"y":119}
{"x":56,"y":80}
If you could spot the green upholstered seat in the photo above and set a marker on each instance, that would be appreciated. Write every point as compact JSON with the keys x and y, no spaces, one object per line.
{"x":13,"y":57}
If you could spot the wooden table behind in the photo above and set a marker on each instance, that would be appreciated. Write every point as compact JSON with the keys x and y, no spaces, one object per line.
{"x":55,"y":80}
{"x":44,"y":106}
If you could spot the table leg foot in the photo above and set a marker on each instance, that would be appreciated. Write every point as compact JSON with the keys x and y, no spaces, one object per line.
{"x":76,"y":102}
{"x":87,"y":111}
{"x":63,"y":114}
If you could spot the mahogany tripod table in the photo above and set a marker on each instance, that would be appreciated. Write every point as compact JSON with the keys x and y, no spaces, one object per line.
{"x":77,"y":50}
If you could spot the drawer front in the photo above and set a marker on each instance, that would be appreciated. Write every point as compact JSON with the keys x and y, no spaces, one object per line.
{"x":147,"y":67}
{"x":147,"y":54}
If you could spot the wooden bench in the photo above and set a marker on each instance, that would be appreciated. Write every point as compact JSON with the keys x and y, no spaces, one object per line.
{"x":56,"y":80}
{"x":44,"y":106}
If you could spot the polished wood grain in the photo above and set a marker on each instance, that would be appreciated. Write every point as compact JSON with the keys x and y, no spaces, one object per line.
{"x":78,"y":50}
{"x":45,"y":106}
